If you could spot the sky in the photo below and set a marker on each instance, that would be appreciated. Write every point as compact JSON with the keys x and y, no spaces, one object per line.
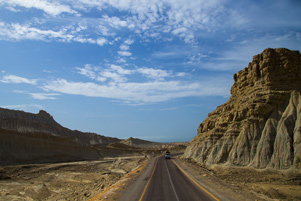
{"x":149,"y":69}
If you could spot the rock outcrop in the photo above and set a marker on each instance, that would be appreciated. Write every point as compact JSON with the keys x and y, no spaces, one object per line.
{"x":260,"y":125}
{"x":44,"y":123}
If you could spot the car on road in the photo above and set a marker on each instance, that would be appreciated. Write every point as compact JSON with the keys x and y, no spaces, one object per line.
{"x":167,"y":155}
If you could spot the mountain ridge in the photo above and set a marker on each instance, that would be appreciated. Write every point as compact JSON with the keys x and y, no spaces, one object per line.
{"x":43,"y":122}
{"x":37,"y":138}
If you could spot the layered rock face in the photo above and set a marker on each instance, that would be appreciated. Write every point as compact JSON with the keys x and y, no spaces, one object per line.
{"x":44,"y":123}
{"x":23,"y":148}
{"x":38,"y":138}
{"x":260,"y":125}
{"x":135,"y":142}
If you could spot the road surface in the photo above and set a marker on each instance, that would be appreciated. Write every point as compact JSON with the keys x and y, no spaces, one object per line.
{"x":165,"y":180}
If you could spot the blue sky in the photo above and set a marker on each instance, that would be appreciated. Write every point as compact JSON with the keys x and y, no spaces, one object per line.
{"x":151,"y":69}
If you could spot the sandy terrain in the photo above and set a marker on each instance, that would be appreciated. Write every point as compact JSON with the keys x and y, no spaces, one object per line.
{"x":63,"y":181}
{"x":249,"y":183}
{"x":268,"y":183}
{"x":235,"y":184}
{"x":95,"y":179}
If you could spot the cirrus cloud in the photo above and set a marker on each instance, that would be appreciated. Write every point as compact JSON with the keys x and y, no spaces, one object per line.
{"x":17,"y":80}
{"x":44,"y":96}
{"x":138,"y":93}
{"x":52,"y":8}
{"x":17,"y":32}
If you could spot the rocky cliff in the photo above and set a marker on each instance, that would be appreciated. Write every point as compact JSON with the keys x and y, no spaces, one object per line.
{"x":44,"y":123}
{"x":260,"y":125}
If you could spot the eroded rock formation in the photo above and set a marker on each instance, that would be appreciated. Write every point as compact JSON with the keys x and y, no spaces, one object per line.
{"x":25,"y":147}
{"x":43,"y":122}
{"x":38,"y":138}
{"x":260,"y":125}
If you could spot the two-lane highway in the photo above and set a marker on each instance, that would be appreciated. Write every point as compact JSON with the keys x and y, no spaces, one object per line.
{"x":167,"y":182}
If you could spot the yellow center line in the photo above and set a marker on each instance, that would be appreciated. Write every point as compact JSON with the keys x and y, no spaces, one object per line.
{"x":194,"y":181}
{"x":148,"y":181}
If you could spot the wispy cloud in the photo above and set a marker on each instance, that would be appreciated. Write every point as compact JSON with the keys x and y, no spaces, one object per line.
{"x":39,"y":96}
{"x":17,"y":32}
{"x":17,"y":80}
{"x":140,"y":93}
{"x":115,"y":22}
{"x":52,"y":8}
{"x":140,"y":22}
{"x":156,"y":74}
{"x":155,"y":19}
{"x":114,"y":71}
{"x":147,"y":19}
{"x":87,"y":71}
{"x":44,"y":96}
{"x":160,"y":85}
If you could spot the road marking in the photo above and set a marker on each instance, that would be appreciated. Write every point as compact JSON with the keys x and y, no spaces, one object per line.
{"x":195,"y":181}
{"x":148,"y":181}
{"x":171,"y":182}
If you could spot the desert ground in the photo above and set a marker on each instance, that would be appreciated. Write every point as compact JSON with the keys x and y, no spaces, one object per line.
{"x":96,"y":180}
{"x":251,"y":183}
{"x":64,"y":181}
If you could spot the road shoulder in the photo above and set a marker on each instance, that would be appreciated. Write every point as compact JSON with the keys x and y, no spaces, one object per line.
{"x":129,"y":187}
{"x":218,"y":187}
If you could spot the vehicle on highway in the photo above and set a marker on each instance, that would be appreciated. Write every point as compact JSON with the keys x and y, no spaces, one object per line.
{"x":167,"y":155}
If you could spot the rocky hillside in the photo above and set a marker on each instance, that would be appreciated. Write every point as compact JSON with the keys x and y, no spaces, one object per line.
{"x":260,"y":125}
{"x":38,"y":138}
{"x":44,"y":123}
{"x":135,"y":142}
{"x":26,"y":147}
{"x":144,"y":144}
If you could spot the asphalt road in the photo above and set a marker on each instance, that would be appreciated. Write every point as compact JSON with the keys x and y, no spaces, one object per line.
{"x":164,"y":180}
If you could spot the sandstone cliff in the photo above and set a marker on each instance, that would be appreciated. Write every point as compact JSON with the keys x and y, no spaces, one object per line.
{"x":44,"y":123}
{"x":260,"y":125}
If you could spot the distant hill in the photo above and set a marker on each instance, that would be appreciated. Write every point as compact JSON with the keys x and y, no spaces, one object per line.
{"x":38,"y":138}
{"x":43,"y":122}
{"x":26,"y":147}
{"x":135,"y":142}
{"x":260,"y":125}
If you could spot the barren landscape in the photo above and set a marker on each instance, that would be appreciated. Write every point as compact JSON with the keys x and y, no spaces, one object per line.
{"x":64,"y":181}
{"x":84,"y":180}
{"x":244,"y":183}
{"x":247,"y":149}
